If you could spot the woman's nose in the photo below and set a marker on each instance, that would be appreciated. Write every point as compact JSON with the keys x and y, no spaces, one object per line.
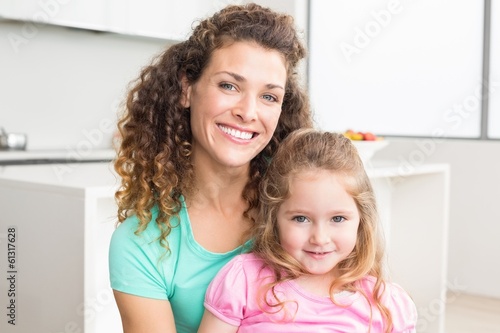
{"x":246,"y":109}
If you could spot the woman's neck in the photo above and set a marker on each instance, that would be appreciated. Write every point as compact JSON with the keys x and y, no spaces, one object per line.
{"x":216,"y":209}
{"x":218,"y":185}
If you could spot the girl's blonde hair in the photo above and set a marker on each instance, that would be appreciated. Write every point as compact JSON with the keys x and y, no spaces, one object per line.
{"x":306,"y":150}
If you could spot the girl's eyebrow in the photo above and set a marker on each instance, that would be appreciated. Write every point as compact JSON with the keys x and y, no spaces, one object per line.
{"x":240,"y":78}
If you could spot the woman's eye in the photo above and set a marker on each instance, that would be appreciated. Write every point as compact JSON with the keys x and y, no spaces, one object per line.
{"x":270,"y":98}
{"x":338,"y":219}
{"x":227,"y":86}
{"x":300,"y":219}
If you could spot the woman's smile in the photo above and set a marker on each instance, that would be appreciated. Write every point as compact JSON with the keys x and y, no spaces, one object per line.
{"x":239,"y":134}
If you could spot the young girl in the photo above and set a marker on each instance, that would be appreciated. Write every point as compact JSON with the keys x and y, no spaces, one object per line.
{"x":316,"y":264}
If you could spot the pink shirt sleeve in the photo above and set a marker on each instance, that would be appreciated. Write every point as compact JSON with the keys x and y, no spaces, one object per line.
{"x":402,"y":307}
{"x":226,"y":294}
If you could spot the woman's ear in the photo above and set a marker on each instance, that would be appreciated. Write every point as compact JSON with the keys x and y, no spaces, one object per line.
{"x":186,"y":92}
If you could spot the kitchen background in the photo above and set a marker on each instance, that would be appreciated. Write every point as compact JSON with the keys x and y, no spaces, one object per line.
{"x":413,"y":71}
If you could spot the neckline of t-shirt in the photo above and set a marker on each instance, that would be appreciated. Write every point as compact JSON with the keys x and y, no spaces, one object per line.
{"x":187,"y":232}
{"x":340,"y":296}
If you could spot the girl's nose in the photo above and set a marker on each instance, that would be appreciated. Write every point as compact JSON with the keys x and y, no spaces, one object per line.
{"x":319,"y":235}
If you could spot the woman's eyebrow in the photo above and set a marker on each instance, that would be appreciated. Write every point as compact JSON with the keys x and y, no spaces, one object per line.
{"x":241,"y":78}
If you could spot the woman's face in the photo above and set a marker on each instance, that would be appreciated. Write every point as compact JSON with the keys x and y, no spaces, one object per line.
{"x":236,"y":104}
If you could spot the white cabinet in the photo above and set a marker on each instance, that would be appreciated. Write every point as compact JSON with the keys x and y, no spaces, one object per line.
{"x":88,"y":14}
{"x":174,"y":19}
{"x":57,"y":221}
{"x":166,"y":19}
{"x":414,"y":208}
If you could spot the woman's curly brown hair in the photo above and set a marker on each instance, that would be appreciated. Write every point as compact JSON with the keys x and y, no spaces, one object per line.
{"x":154,"y":157}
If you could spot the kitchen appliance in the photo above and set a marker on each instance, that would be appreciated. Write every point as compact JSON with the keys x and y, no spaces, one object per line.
{"x":12,"y":141}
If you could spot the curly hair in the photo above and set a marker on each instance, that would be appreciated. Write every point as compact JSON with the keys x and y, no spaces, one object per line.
{"x":305,"y":150}
{"x":154,"y":158}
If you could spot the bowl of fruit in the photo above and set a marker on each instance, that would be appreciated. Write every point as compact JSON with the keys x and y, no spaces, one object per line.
{"x":366,"y":143}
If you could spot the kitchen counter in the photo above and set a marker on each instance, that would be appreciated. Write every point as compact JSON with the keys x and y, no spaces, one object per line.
{"x":55,"y":156}
{"x":60,"y":218}
{"x":65,"y":178}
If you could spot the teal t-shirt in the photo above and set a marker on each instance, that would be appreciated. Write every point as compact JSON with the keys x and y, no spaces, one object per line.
{"x":138,"y":265}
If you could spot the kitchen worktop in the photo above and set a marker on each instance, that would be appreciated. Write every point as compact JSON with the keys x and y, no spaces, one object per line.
{"x":45,"y":156}
{"x":77,"y":178}
{"x":102,"y":175}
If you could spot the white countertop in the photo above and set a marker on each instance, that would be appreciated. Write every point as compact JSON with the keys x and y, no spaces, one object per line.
{"x":97,"y":179}
{"x":70,"y":154}
{"x":397,"y":169}
{"x":100,"y":178}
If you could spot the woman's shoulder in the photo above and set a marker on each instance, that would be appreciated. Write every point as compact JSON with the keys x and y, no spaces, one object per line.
{"x":128,"y":229}
{"x":129,"y":238}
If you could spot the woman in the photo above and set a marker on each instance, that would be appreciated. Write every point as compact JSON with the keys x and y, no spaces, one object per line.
{"x":201,"y":124}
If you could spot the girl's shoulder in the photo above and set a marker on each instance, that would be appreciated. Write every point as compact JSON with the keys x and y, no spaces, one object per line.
{"x":243,"y":272}
{"x":246,"y":263}
{"x":397,"y":300}
{"x":389,"y":289}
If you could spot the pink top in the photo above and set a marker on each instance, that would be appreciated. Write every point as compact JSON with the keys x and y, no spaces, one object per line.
{"x":234,"y":297}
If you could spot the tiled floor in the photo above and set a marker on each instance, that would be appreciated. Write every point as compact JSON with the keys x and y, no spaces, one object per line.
{"x":472,"y":314}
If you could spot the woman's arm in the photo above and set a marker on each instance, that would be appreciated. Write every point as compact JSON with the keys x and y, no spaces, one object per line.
{"x":212,"y":324}
{"x":141,"y":314}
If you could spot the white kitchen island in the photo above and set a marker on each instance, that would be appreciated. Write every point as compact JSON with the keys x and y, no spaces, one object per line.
{"x":63,"y":216}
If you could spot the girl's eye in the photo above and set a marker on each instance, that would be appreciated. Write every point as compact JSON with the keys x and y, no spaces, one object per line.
{"x":270,"y":98}
{"x":300,"y":219}
{"x":338,"y":219}
{"x":227,"y":86}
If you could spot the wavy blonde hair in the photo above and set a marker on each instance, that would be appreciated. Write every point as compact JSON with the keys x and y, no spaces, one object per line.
{"x":306,"y":150}
{"x":154,"y":159}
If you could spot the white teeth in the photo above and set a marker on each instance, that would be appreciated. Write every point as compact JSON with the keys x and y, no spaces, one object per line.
{"x":236,"y":133}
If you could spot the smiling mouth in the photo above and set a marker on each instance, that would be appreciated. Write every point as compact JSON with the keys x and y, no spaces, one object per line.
{"x":318,"y":253}
{"x":237,"y":133}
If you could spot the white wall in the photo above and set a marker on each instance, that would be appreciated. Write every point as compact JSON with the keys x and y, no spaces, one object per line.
{"x":63,"y":86}
{"x":474,"y":226}
{"x":397,"y":67}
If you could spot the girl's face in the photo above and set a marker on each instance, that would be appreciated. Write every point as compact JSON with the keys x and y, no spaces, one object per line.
{"x":236,"y":104}
{"x":318,"y":223}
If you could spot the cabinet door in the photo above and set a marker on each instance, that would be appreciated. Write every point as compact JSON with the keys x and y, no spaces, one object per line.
{"x":168,"y":19}
{"x":88,"y":14}
{"x":175,"y":19}
{"x":6,"y":8}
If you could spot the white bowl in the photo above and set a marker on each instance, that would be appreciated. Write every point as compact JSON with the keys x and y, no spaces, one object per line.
{"x":366,"y":149}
